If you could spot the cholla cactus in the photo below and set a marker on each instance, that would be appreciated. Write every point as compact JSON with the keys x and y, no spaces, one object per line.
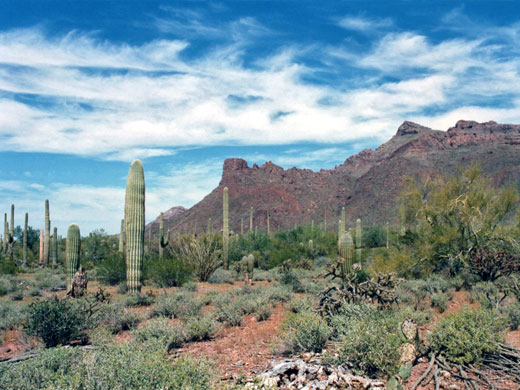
{"x":225,"y":228}
{"x":163,"y":242}
{"x":346,"y":253}
{"x":72,"y":252}
{"x":134,"y":226}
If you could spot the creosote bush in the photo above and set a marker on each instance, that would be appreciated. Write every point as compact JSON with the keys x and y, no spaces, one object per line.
{"x":55,"y":322}
{"x":465,"y":337}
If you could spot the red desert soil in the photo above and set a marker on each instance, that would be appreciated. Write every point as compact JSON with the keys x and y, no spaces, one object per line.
{"x":11,"y":345}
{"x":241,"y":350}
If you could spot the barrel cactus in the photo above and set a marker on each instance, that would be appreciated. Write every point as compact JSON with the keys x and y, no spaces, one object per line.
{"x":134,"y":226}
{"x":72,"y":251}
{"x":225,"y":228}
{"x":346,"y":253}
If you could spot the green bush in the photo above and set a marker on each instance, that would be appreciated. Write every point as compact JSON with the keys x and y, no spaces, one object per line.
{"x":279,"y":294}
{"x":129,"y":366}
{"x":221,"y":276}
{"x":371,"y":344}
{"x":8,"y":267}
{"x":487,"y":294}
{"x":200,"y":329}
{"x":55,"y":322}
{"x":11,"y":315}
{"x":464,"y":337}
{"x":511,"y":314}
{"x":229,"y":313}
{"x":440,"y":301}
{"x":263,"y":313}
{"x":290,"y":278}
{"x":168,"y":272}
{"x":117,"y":318}
{"x":112,"y":270}
{"x":341,"y":323}
{"x":159,"y":332}
{"x":139,"y":299}
{"x":305,"y":332}
{"x":181,"y":304}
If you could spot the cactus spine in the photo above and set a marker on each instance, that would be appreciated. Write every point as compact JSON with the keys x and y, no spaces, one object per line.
{"x":359,"y":240}
{"x":121,"y":237}
{"x":134,"y":226}
{"x":55,"y":247}
{"x":25,"y":239}
{"x":72,"y":250}
{"x":225,"y":228}
{"x":346,"y":253}
{"x":163,"y":243}
{"x":251,"y":220}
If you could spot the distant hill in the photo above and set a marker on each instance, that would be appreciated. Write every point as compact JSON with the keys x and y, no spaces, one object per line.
{"x":366,"y":184}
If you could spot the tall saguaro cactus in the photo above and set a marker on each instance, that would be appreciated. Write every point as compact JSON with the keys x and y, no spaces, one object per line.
{"x":47,"y":234}
{"x":121,"y":237}
{"x":251,"y":220}
{"x":6,"y":229}
{"x":54,"y":248}
{"x":40,"y":262}
{"x":346,"y":252}
{"x":72,"y":250}
{"x":343,"y":221}
{"x":225,"y":228}
{"x":359,"y":240}
{"x":11,"y":228}
{"x":25,"y":239}
{"x":163,"y":242}
{"x":134,"y":226}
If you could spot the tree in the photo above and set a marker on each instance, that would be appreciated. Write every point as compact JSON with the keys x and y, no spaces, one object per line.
{"x":453,"y":218}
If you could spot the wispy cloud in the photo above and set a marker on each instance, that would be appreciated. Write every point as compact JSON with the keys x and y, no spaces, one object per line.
{"x":363,"y":24}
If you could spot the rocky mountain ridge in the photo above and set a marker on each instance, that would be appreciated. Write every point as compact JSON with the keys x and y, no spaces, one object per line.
{"x":367,"y":184}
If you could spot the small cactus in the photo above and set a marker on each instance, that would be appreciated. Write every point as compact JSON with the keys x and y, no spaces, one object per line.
{"x":163,"y":242}
{"x":225,"y":228}
{"x":346,"y":253}
{"x":134,"y":226}
{"x":72,"y":251}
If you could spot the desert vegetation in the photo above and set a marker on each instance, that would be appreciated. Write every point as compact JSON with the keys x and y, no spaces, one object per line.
{"x":427,"y":301}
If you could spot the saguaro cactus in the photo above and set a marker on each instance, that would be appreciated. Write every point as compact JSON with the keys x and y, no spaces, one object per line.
{"x":25,"y":239}
{"x":47,"y":234}
{"x":359,"y":240}
{"x":6,"y":229}
{"x":242,"y":226}
{"x":346,"y":253}
{"x":72,"y":250}
{"x":268,"y":223}
{"x":343,"y":223}
{"x":11,"y":228}
{"x":163,"y":243}
{"x":225,"y":228}
{"x":134,"y":226}
{"x":251,"y":220}
{"x":40,"y":262}
{"x":54,"y":248}
{"x":121,"y":237}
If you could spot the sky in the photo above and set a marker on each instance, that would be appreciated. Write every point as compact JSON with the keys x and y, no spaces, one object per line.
{"x":86,"y":87}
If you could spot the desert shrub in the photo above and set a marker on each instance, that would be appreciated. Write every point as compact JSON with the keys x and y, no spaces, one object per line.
{"x":113,"y":367}
{"x":46,"y":279}
{"x":263,"y":313}
{"x":201,"y":328}
{"x":374,"y":237}
{"x":221,"y":276}
{"x":229,"y":313}
{"x":341,"y":323}
{"x":305,"y":332}
{"x":279,"y":294}
{"x":290,"y":278}
{"x":117,"y":318}
{"x":490,"y":265}
{"x":122,"y":288}
{"x":395,"y":260}
{"x":464,"y":337}
{"x":139,"y":299}
{"x":511,"y":314}
{"x":372,"y":346}
{"x":181,"y":304}
{"x":17,"y":294}
{"x":168,"y":272}
{"x":35,"y":292}
{"x":159,"y":332}
{"x":11,"y":315}
{"x":7,"y":285}
{"x":8,"y":267}
{"x":55,"y":322}
{"x":112,"y":270}
{"x":301,"y":304}
{"x":488,"y":295}
{"x":440,"y":301}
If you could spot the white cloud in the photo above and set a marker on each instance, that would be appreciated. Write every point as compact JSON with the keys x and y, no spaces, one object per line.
{"x":358,"y":23}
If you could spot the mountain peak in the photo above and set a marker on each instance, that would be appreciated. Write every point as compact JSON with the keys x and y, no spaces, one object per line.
{"x":408,"y":128}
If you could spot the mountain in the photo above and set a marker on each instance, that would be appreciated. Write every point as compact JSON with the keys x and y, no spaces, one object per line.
{"x":367,"y":184}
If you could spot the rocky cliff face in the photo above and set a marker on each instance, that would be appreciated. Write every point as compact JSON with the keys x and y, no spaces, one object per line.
{"x":367,"y":184}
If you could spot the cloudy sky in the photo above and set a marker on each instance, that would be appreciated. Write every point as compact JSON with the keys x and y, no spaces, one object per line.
{"x":88,"y":86}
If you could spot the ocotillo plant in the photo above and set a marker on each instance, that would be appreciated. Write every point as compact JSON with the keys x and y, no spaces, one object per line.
{"x":47,"y":234}
{"x":163,"y":243}
{"x":251,"y":220}
{"x":121,"y":237}
{"x":134,"y":226}
{"x":346,"y":253}
{"x":225,"y":228}
{"x":25,"y":239}
{"x":72,"y":250}
{"x":359,"y":240}
{"x":55,"y":247}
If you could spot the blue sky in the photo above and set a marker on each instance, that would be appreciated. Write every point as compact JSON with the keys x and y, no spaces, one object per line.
{"x":88,"y":86}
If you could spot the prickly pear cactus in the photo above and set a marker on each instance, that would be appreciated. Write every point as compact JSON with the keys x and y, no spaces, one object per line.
{"x":72,"y":251}
{"x":225,"y":228}
{"x":134,"y":226}
{"x":346,"y":253}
